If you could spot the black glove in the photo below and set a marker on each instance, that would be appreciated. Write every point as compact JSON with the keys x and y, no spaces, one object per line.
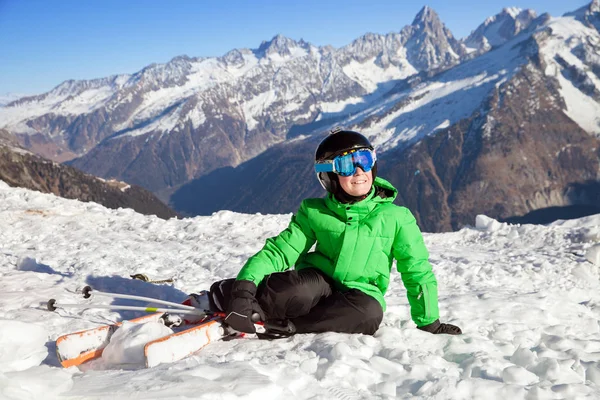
{"x":436,"y":328}
{"x":242,"y":306}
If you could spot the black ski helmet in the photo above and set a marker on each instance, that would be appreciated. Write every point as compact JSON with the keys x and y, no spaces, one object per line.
{"x":336,"y":143}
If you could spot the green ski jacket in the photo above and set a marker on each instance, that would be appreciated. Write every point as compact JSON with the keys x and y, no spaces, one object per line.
{"x":355,"y":245}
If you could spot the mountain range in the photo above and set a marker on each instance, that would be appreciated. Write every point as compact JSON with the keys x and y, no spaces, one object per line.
{"x":503,"y":122}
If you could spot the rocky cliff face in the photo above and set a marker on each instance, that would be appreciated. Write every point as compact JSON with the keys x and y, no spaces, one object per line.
{"x":20,"y":168}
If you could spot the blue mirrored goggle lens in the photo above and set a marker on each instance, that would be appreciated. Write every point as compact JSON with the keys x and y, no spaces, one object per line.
{"x":345,"y":165}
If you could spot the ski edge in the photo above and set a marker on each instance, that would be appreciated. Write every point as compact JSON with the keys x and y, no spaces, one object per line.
{"x":92,"y":352}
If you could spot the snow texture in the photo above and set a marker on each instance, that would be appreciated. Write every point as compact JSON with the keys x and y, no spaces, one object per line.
{"x":127,"y":343}
{"x":526,"y":296}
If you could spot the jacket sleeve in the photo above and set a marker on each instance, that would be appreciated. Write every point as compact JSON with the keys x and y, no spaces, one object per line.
{"x":413,"y":264}
{"x":282,"y":251}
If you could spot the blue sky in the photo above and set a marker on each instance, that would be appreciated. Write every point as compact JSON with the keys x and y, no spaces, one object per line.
{"x":45,"y":42}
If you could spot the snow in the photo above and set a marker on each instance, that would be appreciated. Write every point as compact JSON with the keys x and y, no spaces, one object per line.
{"x":337,"y":107}
{"x":22,"y":345}
{"x":257,"y":106}
{"x":84,"y":103}
{"x":369,"y":75}
{"x":433,"y":106}
{"x":513,"y":11}
{"x":66,"y":99}
{"x":127,"y":343}
{"x":526,"y":296}
{"x":492,"y":34}
{"x":164,"y":123}
{"x":568,"y":33}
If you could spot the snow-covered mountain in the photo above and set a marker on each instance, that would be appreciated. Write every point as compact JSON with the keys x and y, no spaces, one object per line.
{"x":171,"y":123}
{"x":499,"y":29}
{"x":527,"y":298}
{"x":511,"y":131}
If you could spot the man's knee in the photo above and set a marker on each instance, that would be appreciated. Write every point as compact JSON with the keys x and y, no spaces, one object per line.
{"x":282,"y":295}
{"x":369,"y":312}
{"x":220,"y":294}
{"x":292,"y":293}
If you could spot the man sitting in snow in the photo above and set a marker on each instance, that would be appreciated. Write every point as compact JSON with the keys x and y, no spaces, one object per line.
{"x":340,"y":285}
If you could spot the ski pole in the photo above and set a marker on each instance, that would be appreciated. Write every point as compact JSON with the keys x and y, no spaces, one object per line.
{"x":52,"y":305}
{"x":88,"y":292}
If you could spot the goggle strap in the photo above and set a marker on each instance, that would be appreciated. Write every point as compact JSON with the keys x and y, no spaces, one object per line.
{"x":324,"y":166}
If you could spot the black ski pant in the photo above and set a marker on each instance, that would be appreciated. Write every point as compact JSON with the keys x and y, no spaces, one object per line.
{"x":308,"y":299}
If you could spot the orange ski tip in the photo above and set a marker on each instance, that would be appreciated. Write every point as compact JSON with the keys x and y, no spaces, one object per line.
{"x":80,"y":359}
{"x":84,"y":355}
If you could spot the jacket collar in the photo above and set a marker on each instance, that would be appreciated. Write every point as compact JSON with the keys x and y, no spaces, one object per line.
{"x":365,"y":206}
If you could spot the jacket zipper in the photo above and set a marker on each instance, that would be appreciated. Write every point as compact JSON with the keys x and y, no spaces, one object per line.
{"x":425,"y":293}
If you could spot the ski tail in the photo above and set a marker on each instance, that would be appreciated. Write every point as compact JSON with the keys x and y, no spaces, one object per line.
{"x":76,"y":348}
{"x":181,"y":344}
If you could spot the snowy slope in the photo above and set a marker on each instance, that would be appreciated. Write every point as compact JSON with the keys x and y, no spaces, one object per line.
{"x":576,"y":45}
{"x":526,"y":297}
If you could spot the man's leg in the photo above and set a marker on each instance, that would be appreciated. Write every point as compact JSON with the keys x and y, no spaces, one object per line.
{"x":290,"y":294}
{"x":348,"y":312}
{"x":281,"y":295}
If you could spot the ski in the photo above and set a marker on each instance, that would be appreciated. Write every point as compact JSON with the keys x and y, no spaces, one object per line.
{"x":76,"y":348}
{"x":79,"y":347}
{"x":179,"y":345}
{"x":201,"y":328}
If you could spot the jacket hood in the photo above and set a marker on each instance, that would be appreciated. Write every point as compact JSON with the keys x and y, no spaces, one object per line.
{"x":384,"y":190}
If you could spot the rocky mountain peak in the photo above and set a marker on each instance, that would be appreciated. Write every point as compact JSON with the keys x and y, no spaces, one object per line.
{"x":428,"y":22}
{"x":365,"y":46}
{"x":73,"y":87}
{"x":172,"y":73}
{"x":429,"y":43}
{"x":427,"y":15}
{"x":280,"y":45}
{"x":233,"y":57}
{"x":499,"y":29}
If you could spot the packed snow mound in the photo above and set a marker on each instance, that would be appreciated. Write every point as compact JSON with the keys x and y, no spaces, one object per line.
{"x":127,"y":343}
{"x":39,"y":382}
{"x":22,"y":345}
{"x":593,"y":255}
{"x":527,"y":298}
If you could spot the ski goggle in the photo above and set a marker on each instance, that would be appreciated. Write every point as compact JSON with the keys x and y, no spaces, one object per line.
{"x":345,"y":164}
